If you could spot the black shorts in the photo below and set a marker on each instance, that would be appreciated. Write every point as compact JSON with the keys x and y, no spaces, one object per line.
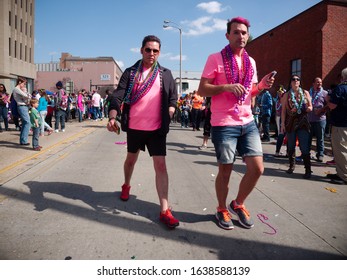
{"x":139,"y":139}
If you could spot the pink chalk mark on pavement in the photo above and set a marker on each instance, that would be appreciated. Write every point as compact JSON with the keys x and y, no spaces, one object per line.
{"x":264,"y":218}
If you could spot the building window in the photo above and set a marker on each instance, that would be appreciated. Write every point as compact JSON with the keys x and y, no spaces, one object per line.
{"x":26,"y":28}
{"x":9,"y":47}
{"x":20,"y":51}
{"x":296,"y":67}
{"x":15,"y":21}
{"x":15,"y":49}
{"x":9,"y":18}
{"x":25,"y":54}
{"x":185,"y":86}
{"x":30,"y":55}
{"x":21,"y":25}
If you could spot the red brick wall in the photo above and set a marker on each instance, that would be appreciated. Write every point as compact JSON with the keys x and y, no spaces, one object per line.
{"x":334,"y":44}
{"x":317,"y":37}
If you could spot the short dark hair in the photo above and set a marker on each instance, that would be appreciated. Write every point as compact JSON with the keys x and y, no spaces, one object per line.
{"x":150,"y":38}
{"x":237,"y":20}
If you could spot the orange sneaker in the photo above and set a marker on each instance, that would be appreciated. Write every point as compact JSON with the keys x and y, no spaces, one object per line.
{"x":125,"y":192}
{"x":241,"y":212}
{"x":168,"y":219}
{"x":224,"y":218}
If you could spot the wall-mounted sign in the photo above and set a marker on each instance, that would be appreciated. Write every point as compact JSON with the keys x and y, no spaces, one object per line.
{"x":105,"y":77}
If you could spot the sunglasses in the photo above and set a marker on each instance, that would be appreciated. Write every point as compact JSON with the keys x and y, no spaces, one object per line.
{"x":295,"y":79}
{"x":148,"y":50}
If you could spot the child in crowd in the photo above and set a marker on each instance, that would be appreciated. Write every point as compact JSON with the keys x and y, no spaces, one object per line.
{"x":35,"y":121}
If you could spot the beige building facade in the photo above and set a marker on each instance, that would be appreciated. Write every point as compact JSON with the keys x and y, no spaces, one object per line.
{"x":76,"y":73}
{"x":17,"y":42}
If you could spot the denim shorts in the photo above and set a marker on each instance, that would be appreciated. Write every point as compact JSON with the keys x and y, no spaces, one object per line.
{"x":243,"y":138}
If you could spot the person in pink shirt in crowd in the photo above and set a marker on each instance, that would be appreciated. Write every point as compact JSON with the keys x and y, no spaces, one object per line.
{"x":230,"y":79}
{"x":149,"y":94}
{"x":80,"y":105}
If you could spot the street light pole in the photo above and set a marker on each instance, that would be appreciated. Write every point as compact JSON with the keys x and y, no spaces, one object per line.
{"x":175,"y":25}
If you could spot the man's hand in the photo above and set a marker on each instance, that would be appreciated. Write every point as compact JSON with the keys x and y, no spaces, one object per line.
{"x":266,"y":82}
{"x":113,"y":126}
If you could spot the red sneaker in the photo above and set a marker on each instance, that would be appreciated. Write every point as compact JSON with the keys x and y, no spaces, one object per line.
{"x":125,"y":192}
{"x":168,"y":219}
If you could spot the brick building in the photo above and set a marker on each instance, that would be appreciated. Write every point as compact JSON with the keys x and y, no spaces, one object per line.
{"x":311,"y":44}
{"x":78,"y":73}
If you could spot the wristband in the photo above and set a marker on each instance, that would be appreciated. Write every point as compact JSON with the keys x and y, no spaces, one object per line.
{"x":112,"y":118}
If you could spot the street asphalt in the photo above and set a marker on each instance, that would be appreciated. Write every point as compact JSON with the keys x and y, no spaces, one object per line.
{"x":63,"y":203}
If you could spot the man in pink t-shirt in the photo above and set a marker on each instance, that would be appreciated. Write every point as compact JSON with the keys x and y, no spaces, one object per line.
{"x":149,"y":94}
{"x":230,"y":79}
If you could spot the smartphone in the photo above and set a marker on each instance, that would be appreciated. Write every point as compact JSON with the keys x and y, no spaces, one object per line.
{"x":273,"y":74}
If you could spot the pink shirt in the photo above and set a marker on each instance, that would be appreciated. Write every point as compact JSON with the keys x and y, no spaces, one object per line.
{"x":80,"y":102}
{"x":146,"y":113}
{"x":223,"y":105}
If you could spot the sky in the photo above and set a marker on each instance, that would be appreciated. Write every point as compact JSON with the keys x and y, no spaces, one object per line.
{"x":116,"y":28}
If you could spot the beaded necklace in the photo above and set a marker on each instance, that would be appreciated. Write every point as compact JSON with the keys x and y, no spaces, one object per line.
{"x":138,"y":89}
{"x":298,"y":106}
{"x":315,"y":98}
{"x":236,"y":75}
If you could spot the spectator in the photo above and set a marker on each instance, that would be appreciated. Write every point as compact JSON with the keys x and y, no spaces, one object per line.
{"x":296,"y":104}
{"x":317,"y":117}
{"x":35,"y":121}
{"x":337,"y":102}
{"x":280,"y":93}
{"x":61,"y":103}
{"x":42,"y":109}
{"x":4,"y":104}
{"x":197,"y":101}
{"x":266,"y":105}
{"x":96,"y":105}
{"x":22,"y":97}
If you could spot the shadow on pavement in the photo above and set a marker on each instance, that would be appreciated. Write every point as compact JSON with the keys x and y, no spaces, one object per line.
{"x":106,"y":209}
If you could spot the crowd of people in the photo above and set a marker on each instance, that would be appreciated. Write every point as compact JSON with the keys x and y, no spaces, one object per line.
{"x":235,"y":106}
{"x":37,"y":111}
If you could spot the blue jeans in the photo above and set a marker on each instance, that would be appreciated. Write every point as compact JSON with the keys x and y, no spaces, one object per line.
{"x":318,"y":129}
{"x":265,"y":120}
{"x":36,"y":136}
{"x":184,"y":119}
{"x":3,"y":113}
{"x":243,"y":138}
{"x":24,"y":133}
{"x":303,"y":136}
{"x":97,"y":113}
{"x":80,"y":115}
{"x":60,"y":118}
